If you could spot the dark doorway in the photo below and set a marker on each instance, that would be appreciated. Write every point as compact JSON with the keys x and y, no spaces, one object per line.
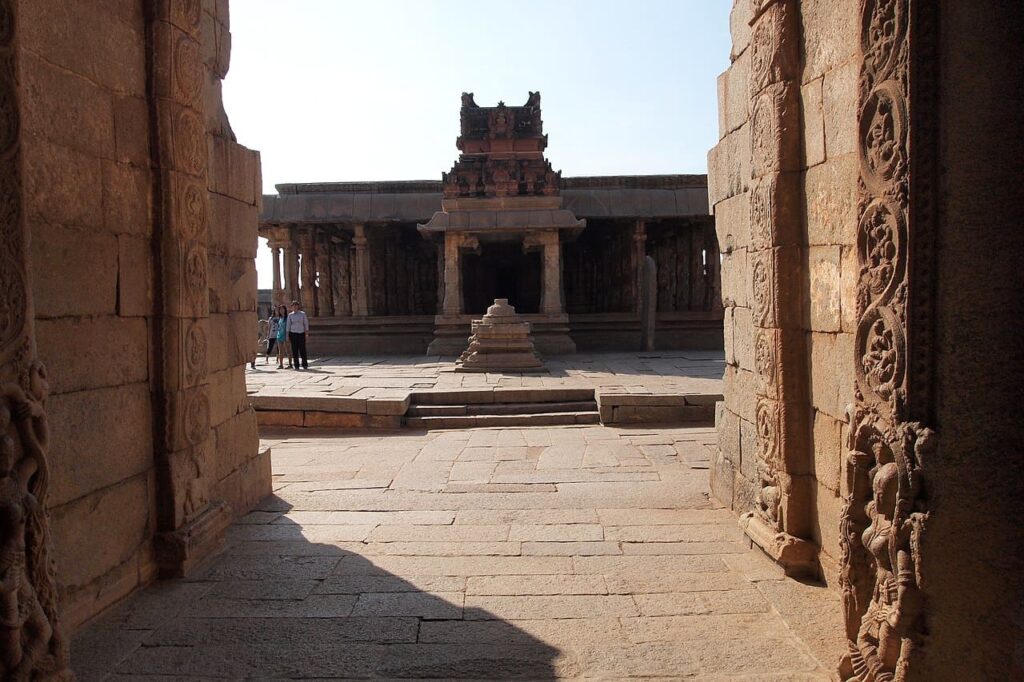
{"x":501,"y":270}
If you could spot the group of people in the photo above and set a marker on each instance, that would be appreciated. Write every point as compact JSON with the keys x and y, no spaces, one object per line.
{"x":286,"y":333}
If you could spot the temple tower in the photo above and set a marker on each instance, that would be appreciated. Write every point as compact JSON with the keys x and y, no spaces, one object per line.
{"x":501,"y":227}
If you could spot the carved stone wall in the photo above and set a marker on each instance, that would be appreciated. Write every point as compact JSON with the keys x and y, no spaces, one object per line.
{"x":142,"y":215}
{"x":403,"y":272}
{"x":33,"y":646}
{"x":782,"y":180}
{"x":909,"y":237}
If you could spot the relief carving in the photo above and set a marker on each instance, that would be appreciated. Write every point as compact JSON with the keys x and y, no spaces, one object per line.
{"x":189,"y":142}
{"x":885,"y":511}
{"x":763,"y":290}
{"x":192,"y":209}
{"x":187,"y":69}
{"x":31,"y":644}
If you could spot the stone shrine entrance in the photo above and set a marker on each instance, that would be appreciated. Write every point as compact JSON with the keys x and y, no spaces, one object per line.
{"x":502,"y":270}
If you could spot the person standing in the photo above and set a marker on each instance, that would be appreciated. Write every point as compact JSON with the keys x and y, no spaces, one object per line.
{"x":298,"y":328}
{"x":284,"y":347}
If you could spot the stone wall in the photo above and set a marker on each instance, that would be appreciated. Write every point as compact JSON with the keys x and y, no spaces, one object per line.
{"x":99,"y":210}
{"x":807,"y":240}
{"x":866,"y":202}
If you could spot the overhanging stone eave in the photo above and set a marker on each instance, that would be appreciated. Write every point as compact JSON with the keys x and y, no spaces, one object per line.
{"x":503,"y":221}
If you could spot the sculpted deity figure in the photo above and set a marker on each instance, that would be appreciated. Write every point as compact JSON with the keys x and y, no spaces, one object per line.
{"x":895,"y":599}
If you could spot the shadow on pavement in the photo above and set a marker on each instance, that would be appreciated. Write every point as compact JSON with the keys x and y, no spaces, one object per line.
{"x":275,"y":605}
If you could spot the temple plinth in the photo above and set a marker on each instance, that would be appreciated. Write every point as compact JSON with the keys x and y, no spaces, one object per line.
{"x":502,"y":202}
{"x":501,"y":342}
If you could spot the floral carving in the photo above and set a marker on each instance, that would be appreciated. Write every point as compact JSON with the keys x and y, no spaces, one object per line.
{"x":884,"y":37}
{"x":197,"y":418}
{"x":187,"y":69}
{"x":762,"y":213}
{"x":192,"y":210}
{"x":880,"y":340}
{"x":884,"y":510}
{"x":195,"y":352}
{"x":763,"y":285}
{"x":189,"y":142}
{"x":764,"y":359}
{"x":883,"y":126}
{"x":880,"y":239}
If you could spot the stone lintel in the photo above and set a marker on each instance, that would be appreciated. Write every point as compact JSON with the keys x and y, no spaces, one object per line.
{"x":798,"y":558}
{"x":497,"y":220}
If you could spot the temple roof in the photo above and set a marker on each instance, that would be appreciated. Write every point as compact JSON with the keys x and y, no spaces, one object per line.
{"x":615,"y":196}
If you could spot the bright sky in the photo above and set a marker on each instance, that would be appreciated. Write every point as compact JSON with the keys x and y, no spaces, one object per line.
{"x":332,"y":90}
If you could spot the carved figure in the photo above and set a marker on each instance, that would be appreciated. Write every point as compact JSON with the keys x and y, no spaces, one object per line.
{"x":29,"y":644}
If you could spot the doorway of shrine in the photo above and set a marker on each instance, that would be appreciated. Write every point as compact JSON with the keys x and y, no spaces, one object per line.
{"x":502,"y":270}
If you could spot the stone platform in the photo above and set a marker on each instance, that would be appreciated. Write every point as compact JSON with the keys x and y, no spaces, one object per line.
{"x":668,"y":387}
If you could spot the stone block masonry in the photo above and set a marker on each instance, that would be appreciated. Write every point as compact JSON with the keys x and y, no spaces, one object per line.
{"x":142,"y":213}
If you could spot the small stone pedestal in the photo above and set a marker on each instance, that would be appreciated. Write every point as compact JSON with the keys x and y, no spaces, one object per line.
{"x":501,"y":342}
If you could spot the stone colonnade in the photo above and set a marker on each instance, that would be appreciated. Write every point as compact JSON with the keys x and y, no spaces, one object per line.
{"x":548,"y":242}
{"x":326,"y":270}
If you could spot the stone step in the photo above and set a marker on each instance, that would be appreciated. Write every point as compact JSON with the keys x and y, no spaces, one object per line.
{"x":486,"y":396}
{"x":485,"y":420}
{"x":500,"y":408}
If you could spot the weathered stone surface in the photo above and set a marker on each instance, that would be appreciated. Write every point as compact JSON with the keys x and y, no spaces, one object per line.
{"x":811,"y":110}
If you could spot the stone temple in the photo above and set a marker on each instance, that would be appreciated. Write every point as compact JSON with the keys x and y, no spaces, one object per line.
{"x":851,"y":514}
{"x":404,"y":267}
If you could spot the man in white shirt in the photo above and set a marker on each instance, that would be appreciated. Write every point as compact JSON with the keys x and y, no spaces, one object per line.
{"x":298,"y":328}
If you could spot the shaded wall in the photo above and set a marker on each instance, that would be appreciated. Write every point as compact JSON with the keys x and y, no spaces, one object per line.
{"x":903,"y":208}
{"x":100,"y":280}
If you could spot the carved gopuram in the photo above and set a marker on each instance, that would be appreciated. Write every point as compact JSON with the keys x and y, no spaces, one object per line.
{"x":403,"y":267}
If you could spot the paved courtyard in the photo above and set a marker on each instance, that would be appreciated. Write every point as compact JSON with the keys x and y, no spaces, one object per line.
{"x":478,"y":553}
{"x":396,"y":376}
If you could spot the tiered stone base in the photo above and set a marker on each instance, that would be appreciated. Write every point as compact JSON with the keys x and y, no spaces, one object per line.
{"x":501,"y":342}
{"x":550,"y":334}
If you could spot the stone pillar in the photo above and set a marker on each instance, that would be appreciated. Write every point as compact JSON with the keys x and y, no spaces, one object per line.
{"x":782,"y":518}
{"x":639,"y":256}
{"x":33,"y":646}
{"x":190,"y":522}
{"x":360,"y":273}
{"x":341,"y":277}
{"x":291,"y":271}
{"x":649,"y":304}
{"x":276,"y":294}
{"x":551,"y":302}
{"x":324,"y":292}
{"x":307,"y":291}
{"x":452,"y":302}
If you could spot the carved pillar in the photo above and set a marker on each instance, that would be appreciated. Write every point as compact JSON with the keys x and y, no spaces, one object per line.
{"x":33,"y":646}
{"x":639,"y":255}
{"x":291,"y":271}
{"x":307,"y":291}
{"x":883,"y":482}
{"x":324,"y":305}
{"x":360,"y":273}
{"x":276,"y":294}
{"x":340,"y":277}
{"x":452,"y":302}
{"x":783,"y":513}
{"x":551,"y":284}
{"x":189,"y":522}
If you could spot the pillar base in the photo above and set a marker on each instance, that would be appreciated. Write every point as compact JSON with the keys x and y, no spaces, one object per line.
{"x":798,"y":558}
{"x":180,"y":552}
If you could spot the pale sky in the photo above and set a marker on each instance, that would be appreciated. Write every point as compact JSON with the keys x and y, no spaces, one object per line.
{"x":333,"y":90}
